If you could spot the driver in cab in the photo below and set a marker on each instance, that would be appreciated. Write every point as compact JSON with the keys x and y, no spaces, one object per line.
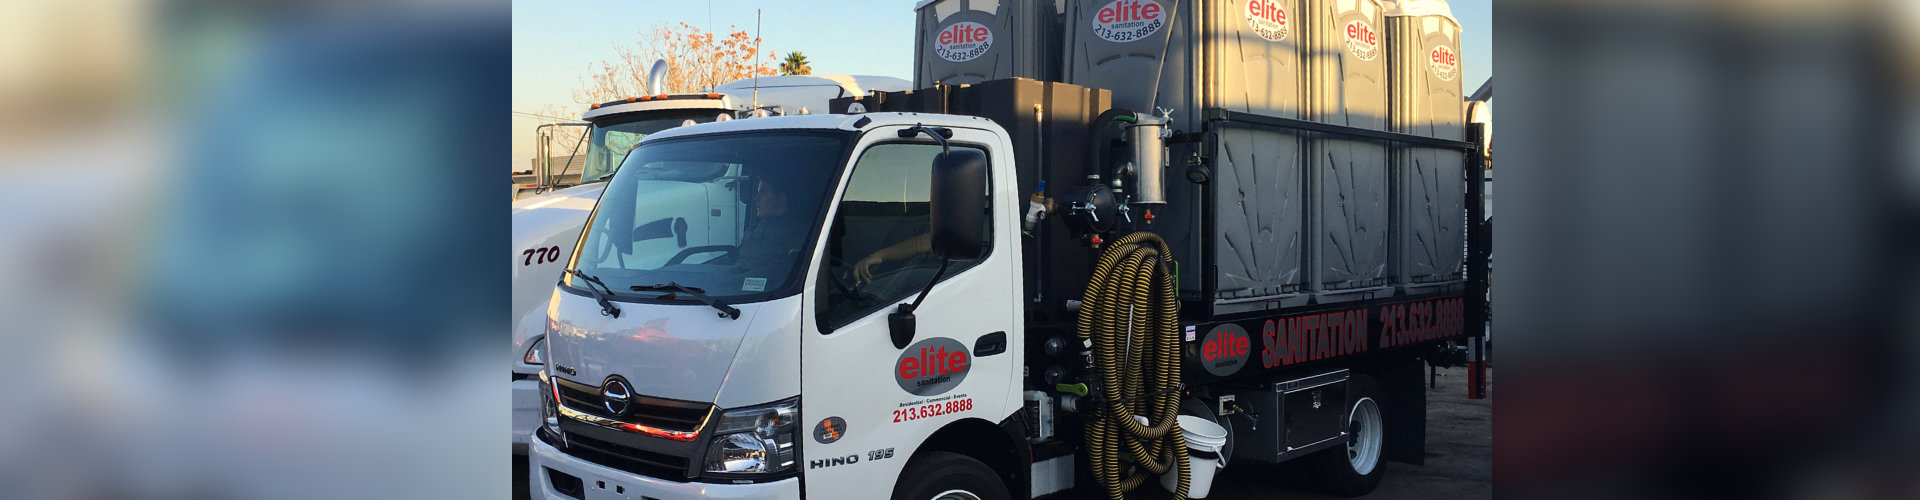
{"x":773,"y":236}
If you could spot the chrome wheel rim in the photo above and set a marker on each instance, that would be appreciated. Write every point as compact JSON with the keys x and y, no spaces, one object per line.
{"x":956,"y":495}
{"x":1363,"y":436}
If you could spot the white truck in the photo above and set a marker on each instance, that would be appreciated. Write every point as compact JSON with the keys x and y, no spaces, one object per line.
{"x":547,"y":224}
{"x":887,"y":321}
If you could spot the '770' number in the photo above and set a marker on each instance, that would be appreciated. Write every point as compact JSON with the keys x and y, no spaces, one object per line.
{"x":543,"y":255}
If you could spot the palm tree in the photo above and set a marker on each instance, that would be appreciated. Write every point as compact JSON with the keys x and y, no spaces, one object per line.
{"x":795,"y":64}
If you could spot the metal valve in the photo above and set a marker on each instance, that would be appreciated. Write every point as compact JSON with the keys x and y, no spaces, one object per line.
{"x":1083,"y":207}
{"x":1253,"y":419}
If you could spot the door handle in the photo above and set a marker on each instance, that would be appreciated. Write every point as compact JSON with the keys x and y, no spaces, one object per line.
{"x":990,"y":344}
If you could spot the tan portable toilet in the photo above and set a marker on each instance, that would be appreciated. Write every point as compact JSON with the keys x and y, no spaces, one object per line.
{"x":1427,"y":82}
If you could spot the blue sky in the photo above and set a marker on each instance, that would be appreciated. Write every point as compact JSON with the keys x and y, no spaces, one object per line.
{"x":555,"y":40}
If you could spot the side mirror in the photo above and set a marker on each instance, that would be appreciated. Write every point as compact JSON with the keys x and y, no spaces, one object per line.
{"x":958,"y":203}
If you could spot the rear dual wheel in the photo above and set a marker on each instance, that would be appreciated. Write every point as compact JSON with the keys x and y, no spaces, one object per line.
{"x":1355,"y":468}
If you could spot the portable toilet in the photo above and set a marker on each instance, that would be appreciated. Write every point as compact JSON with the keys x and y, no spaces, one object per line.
{"x":1349,"y":224}
{"x":971,"y":41}
{"x":1424,"y":67}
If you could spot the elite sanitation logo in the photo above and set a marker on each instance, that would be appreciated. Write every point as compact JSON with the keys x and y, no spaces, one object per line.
{"x":1225,"y":349}
{"x":963,"y":41}
{"x":932,"y":366}
{"x":1268,"y":19}
{"x":1128,"y":20}
{"x":1362,"y":41}
{"x":1445,"y":63}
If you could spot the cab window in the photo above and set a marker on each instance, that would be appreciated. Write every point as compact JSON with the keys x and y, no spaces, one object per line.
{"x":878,"y":251}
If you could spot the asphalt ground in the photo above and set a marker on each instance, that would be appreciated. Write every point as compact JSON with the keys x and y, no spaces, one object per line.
{"x":1459,"y":458}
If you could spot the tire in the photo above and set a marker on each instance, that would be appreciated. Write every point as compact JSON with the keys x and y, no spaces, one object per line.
{"x":1355,"y":468}
{"x":949,"y":476}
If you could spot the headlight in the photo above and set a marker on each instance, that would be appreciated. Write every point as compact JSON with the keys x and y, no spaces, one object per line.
{"x":757,"y":440}
{"x":536,"y":355}
{"x":549,"y":404}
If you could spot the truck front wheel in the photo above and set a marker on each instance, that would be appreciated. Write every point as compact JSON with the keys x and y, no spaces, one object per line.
{"x":1355,"y":468}
{"x":949,"y":476}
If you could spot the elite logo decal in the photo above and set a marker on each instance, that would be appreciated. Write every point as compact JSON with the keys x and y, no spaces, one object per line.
{"x":1445,"y":63}
{"x":932,"y":366}
{"x":963,"y":41}
{"x":1362,"y":41}
{"x":1268,"y":19}
{"x":1226,"y":349}
{"x":1128,"y":20}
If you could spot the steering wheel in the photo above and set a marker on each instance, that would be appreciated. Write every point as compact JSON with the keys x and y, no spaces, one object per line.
{"x":691,"y":251}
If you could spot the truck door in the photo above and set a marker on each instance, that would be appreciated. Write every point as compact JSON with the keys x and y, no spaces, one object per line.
{"x":867,"y":404}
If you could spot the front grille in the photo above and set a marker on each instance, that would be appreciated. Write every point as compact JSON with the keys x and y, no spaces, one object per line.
{"x":623,"y":457}
{"x":653,"y":412}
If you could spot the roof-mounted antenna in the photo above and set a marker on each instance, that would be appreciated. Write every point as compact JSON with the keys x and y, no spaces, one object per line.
{"x":755,"y":65}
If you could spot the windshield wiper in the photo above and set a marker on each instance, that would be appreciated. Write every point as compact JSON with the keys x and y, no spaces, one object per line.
{"x":606,"y":306}
{"x":726,"y":311}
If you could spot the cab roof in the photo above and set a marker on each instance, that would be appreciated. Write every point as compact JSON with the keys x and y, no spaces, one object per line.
{"x":838,"y":122}
{"x":709,"y":101}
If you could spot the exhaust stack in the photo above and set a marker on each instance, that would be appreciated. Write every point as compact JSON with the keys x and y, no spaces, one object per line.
{"x":657,"y":77}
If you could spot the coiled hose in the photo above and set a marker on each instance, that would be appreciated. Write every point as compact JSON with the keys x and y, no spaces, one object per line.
{"x":1130,"y":313}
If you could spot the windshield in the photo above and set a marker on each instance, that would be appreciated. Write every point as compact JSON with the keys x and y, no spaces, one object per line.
{"x":608,"y":143}
{"x":730,"y":216}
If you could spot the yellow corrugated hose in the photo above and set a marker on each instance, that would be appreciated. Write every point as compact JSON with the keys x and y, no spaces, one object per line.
{"x":1131,"y":314}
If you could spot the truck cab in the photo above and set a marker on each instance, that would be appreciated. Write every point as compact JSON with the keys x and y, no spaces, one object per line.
{"x":547,"y":221}
{"x":676,"y":367}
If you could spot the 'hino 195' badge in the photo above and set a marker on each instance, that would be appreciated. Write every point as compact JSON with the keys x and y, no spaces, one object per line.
{"x":615,"y":394}
{"x":932,"y":366}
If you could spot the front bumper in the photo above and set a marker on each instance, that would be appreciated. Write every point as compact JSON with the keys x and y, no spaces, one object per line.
{"x":526,"y":412}
{"x":602,"y":483}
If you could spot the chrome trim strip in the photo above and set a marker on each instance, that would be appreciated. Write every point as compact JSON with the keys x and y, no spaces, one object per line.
{"x":634,"y":428}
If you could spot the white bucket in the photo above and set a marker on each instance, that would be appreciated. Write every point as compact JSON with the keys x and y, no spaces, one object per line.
{"x":1202,"y":435}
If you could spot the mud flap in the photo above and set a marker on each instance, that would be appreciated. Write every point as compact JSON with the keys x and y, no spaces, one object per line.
{"x":1402,"y":382}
